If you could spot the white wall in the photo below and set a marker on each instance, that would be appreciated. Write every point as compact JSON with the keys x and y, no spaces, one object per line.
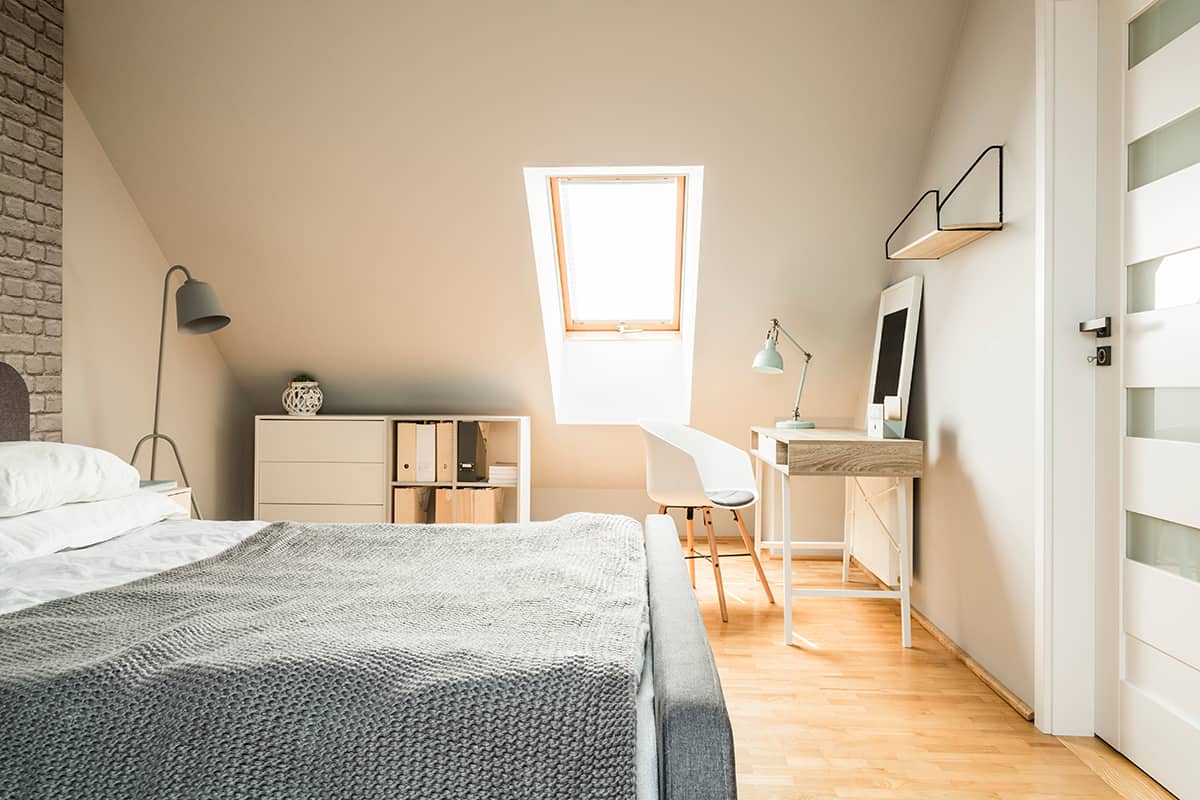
{"x":352,"y":184}
{"x":112,"y":297}
{"x":974,"y":381}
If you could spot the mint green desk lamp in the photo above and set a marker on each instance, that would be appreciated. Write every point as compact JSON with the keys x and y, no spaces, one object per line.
{"x":769,"y":362}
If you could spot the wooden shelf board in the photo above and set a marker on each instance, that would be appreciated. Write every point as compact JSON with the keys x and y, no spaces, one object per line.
{"x":968,"y":226}
{"x":936,"y":244}
{"x":460,"y":484}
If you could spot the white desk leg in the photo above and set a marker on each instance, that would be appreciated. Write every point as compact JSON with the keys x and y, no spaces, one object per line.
{"x":906,"y":557}
{"x":785,"y":495}
{"x":847,"y":526}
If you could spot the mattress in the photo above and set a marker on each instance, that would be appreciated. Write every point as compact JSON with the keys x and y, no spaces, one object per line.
{"x":171,"y":543}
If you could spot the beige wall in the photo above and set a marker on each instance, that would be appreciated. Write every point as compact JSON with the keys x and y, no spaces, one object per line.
{"x":974,"y":382}
{"x":351,"y":181}
{"x":112,"y":299}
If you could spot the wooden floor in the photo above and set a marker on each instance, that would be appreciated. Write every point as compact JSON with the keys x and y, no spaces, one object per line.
{"x":848,"y":713}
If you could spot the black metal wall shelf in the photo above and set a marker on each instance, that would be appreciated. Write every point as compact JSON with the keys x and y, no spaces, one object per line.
{"x":945,"y":239}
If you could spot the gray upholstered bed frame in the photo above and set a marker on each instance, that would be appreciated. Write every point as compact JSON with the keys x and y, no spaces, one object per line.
{"x":695,"y":742}
{"x":14,"y":405}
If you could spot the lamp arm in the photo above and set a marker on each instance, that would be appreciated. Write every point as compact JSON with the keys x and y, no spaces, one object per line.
{"x":162,"y":332}
{"x":800,"y":389}
{"x":778,"y":329}
{"x":791,"y":339}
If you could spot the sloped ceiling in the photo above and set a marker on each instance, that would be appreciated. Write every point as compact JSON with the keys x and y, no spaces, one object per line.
{"x":348,"y":177}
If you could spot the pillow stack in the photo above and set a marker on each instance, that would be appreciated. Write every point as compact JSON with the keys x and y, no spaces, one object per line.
{"x":57,"y":496}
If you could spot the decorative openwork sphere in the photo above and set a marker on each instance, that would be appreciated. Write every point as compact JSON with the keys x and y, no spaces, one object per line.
{"x":303,"y":398}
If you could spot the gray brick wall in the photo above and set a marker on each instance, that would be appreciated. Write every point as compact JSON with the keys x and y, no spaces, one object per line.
{"x":31,"y":182}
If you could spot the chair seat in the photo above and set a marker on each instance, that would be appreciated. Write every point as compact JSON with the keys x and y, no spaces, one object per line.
{"x":730,"y":498}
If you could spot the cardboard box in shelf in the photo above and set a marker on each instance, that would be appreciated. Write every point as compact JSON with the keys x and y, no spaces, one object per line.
{"x":479,"y":506}
{"x":472,"y":452}
{"x":426,"y":459}
{"x":410,"y":505}
{"x":445,"y":451}
{"x":406,"y":451}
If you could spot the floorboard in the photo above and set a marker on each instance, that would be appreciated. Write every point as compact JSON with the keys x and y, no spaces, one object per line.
{"x":848,"y":713}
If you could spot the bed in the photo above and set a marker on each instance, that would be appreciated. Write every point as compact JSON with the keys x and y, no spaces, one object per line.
{"x":240,"y":659}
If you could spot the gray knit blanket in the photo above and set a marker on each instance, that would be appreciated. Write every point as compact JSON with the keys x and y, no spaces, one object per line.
{"x":341,"y":661}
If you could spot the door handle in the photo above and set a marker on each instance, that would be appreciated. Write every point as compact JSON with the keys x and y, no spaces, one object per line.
{"x":1101,"y":326}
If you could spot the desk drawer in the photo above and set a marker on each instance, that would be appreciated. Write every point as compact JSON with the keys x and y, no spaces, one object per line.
{"x":321,"y":483}
{"x":340,"y":440}
{"x":296,"y":512}
{"x":902,"y":458}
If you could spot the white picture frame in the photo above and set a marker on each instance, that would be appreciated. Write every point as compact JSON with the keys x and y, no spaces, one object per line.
{"x":870,"y":544}
{"x":903,"y":300}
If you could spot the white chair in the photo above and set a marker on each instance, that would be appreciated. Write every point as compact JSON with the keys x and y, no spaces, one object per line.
{"x":691,"y":470}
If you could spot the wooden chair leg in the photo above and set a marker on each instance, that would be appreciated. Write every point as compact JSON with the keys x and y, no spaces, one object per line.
{"x":762,"y":577}
{"x":691,"y":544}
{"x":716,"y":562}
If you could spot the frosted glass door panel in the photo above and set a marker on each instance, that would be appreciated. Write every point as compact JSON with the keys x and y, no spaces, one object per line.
{"x":1159,"y":25}
{"x":1163,"y":545}
{"x":1164,"y":413}
{"x":1172,"y":147}
{"x":1165,"y":282}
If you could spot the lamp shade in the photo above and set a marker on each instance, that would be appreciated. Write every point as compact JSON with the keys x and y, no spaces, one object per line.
{"x":197,"y":309}
{"x":768,"y":360}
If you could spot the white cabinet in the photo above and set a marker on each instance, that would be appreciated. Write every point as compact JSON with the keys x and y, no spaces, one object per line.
{"x":321,"y":440}
{"x":314,"y":469}
{"x":331,"y":468}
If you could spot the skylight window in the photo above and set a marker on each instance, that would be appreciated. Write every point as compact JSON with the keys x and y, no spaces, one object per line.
{"x":619,"y":243}
{"x":617,"y":248}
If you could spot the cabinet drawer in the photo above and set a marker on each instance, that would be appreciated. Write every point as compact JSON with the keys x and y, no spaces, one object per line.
{"x":322,"y":440}
{"x":273,"y":512}
{"x":335,"y":484}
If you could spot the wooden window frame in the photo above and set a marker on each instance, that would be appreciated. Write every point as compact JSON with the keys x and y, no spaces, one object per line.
{"x":572,"y":326}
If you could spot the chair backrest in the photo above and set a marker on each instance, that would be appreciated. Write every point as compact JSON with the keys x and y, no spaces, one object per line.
{"x":683,"y":465}
{"x":672,"y":478}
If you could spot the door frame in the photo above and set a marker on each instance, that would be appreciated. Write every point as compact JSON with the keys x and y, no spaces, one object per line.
{"x":1075,"y":258}
{"x":1110,"y":395}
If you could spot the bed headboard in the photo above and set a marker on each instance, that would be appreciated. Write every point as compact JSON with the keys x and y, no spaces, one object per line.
{"x":14,"y":405}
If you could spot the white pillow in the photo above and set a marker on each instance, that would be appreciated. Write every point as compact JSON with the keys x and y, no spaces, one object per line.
{"x":81,"y":524}
{"x":35,"y":476}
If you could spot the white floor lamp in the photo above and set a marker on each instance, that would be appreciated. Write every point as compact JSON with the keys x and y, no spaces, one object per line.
{"x":197,"y":311}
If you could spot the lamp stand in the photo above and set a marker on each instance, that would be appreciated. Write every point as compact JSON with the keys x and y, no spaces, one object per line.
{"x":795,"y":423}
{"x":154,"y":435}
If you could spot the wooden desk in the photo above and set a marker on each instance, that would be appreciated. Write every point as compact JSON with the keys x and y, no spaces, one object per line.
{"x":852,"y":454}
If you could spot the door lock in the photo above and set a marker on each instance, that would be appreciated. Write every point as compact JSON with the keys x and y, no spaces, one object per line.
{"x":1103,"y":357}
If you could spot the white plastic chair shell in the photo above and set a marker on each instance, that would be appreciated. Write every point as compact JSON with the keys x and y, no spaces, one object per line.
{"x":687,"y":468}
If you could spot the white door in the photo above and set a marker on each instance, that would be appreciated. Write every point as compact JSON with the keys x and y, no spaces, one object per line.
{"x":1159,"y":627}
